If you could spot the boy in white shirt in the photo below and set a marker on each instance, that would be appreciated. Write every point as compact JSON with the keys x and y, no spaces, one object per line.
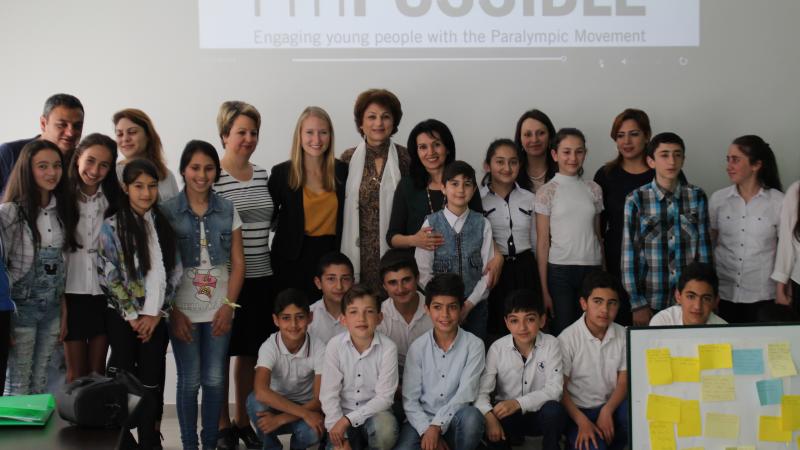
{"x":404,"y":316}
{"x":696,"y":295}
{"x":334,"y":278}
{"x":285,"y":399}
{"x":359,"y":378}
{"x":593,"y":353}
{"x":523,"y":378}
{"x":441,"y":376}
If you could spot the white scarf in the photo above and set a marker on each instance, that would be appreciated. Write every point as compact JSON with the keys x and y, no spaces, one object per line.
{"x":350,"y":227}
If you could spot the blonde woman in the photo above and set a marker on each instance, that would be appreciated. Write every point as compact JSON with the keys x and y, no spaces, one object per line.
{"x":308,"y":193}
{"x":137,"y":138}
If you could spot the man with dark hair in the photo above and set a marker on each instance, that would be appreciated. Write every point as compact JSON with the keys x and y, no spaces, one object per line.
{"x":61,"y":123}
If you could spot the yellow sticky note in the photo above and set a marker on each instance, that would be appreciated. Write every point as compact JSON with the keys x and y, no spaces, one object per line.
{"x":662,"y":408}
{"x":769,"y":429}
{"x":790,"y":412}
{"x":659,"y":366}
{"x":690,"y":423}
{"x":715,"y":356}
{"x":662,"y":436}
{"x":685,"y":370}
{"x":779,"y":360}
{"x":722,"y":426}
{"x":718,"y":388}
{"x":694,"y":448}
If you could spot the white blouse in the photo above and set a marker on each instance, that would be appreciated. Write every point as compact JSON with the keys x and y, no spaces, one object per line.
{"x":747,"y":238}
{"x":788,"y":245}
{"x":81,"y":264}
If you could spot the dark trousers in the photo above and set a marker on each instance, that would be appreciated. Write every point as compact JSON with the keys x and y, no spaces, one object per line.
{"x":5,"y":335}
{"x":741,"y":312}
{"x":145,"y":361}
{"x":564,"y":283}
{"x":550,"y":422}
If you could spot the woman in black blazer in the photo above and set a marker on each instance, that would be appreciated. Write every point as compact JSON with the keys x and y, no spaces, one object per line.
{"x":308,"y":192}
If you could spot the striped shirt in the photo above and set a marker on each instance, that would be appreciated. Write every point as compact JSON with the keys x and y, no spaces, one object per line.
{"x":254,"y":204}
{"x":663,"y":232}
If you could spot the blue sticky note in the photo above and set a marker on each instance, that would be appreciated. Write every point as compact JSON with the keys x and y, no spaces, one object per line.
{"x":770,"y":391}
{"x":748,"y":362}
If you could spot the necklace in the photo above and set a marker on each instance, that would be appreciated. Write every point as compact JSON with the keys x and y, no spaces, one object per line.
{"x":538,"y":177}
{"x":430,"y":204}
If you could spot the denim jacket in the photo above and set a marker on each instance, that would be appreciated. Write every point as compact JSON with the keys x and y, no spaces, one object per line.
{"x":217,"y":222}
{"x":461,"y":252}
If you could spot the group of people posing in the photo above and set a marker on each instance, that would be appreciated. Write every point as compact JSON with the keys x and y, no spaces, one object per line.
{"x":391,"y":269}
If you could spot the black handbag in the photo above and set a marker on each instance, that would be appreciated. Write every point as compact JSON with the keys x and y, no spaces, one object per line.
{"x":94,"y":401}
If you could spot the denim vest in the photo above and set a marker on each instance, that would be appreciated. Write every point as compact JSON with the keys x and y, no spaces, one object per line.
{"x":461,"y":252}
{"x":217,"y":221}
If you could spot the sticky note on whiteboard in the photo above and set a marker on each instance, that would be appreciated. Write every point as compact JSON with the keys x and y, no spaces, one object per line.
{"x":685,"y":370}
{"x":690,"y":424}
{"x":662,"y":408}
{"x":722,"y":426}
{"x":718,"y":388}
{"x":662,"y":436}
{"x":748,"y":361}
{"x":769,"y":430}
{"x":715,"y":356}
{"x":659,"y":366}
{"x":779,"y":359}
{"x":770,"y":391}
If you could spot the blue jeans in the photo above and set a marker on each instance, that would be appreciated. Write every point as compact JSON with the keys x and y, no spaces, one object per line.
{"x":302,"y":435}
{"x":477,"y":320}
{"x":379,"y":432}
{"x":201,"y":362}
{"x":564,"y":284}
{"x":620,"y":428}
{"x":464,"y":433}
{"x":35,"y":325}
{"x":549,"y":421}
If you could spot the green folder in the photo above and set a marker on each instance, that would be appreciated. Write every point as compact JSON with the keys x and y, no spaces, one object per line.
{"x":26,"y":410}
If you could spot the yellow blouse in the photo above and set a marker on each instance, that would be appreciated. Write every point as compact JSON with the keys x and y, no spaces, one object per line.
{"x":320,"y":211}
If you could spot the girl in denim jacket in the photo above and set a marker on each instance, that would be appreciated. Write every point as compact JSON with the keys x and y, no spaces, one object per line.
{"x":37,"y":226}
{"x":209,"y":235}
{"x":139,"y":269}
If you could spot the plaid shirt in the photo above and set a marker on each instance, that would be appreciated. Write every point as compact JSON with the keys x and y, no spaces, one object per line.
{"x":663,"y":232}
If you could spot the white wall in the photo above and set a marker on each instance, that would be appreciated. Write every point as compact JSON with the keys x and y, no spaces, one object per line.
{"x":114,"y":54}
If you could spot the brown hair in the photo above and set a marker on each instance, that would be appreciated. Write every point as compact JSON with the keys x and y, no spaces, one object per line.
{"x":154,"y":152}
{"x":359,"y":291}
{"x":381,"y":97}
{"x":641,"y":119}
{"x":229,"y":111}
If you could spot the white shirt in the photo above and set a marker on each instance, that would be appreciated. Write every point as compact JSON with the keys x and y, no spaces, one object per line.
{"x":155,"y":282}
{"x":674,"y":316}
{"x":592,"y":365}
{"x":572,"y":205}
{"x":324,"y":326}
{"x":81,"y":276}
{"x":788,"y":247}
{"x":292,"y":374}
{"x":532,"y":382}
{"x":358,"y":385}
{"x":425,"y":257}
{"x":514,"y":217}
{"x":746,"y":243}
{"x":203,"y":288}
{"x":403,"y":333}
{"x":50,"y":232}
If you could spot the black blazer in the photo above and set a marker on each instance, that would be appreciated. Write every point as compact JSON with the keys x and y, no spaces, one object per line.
{"x":289,"y":212}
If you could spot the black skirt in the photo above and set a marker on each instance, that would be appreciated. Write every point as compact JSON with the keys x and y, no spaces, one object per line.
{"x":519,"y":272}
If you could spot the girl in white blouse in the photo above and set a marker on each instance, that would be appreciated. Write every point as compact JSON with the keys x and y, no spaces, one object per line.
{"x":744,"y":226}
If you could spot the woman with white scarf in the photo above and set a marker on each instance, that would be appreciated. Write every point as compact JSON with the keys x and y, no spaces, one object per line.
{"x":376,"y":166}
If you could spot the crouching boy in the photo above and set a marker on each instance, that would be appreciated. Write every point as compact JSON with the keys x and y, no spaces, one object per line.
{"x":524,"y":377}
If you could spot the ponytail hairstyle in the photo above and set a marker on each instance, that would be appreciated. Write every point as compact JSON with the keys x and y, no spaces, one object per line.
{"x":757,"y":150}
{"x":497,"y":143}
{"x":642,"y":121}
{"x":110,"y":183}
{"x":23,"y":190}
{"x":132,"y":231}
{"x":523,"y":180}
{"x":565,"y":133}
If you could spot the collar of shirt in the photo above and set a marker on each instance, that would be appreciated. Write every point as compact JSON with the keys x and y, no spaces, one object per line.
{"x":733,"y":191}
{"x":302,"y":352}
{"x":376,"y":341}
{"x":325,"y":311}
{"x":453,"y":219}
{"x":453,"y":346}
{"x":536,"y":345}
{"x":91,"y":198}
{"x":662,"y":193}
{"x":51,"y":205}
{"x":392,"y":313}
{"x":610,"y":332}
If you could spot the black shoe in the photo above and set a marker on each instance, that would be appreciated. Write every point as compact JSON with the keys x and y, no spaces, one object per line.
{"x":226,"y":439}
{"x":248,"y":436}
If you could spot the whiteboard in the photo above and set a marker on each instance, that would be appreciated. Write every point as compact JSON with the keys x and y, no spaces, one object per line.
{"x":683,"y":341}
